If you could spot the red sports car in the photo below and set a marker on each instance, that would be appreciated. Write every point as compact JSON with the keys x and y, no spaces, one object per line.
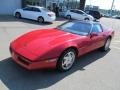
{"x":58,"y":47}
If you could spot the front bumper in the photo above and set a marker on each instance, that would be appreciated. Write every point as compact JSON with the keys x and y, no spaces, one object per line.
{"x":30,"y":65}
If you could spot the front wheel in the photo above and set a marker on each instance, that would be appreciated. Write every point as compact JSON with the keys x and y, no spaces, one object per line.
{"x":17,"y":15}
{"x":66,"y":60}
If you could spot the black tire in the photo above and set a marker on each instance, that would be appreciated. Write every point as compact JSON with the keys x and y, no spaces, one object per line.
{"x":68,"y":17}
{"x":106,"y":45}
{"x":60,"y":62}
{"x":17,"y":15}
{"x":40,"y":19}
{"x":87,"y":19}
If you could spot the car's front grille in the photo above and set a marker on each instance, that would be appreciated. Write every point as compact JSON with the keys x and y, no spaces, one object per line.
{"x":23,"y":60}
{"x":19,"y":57}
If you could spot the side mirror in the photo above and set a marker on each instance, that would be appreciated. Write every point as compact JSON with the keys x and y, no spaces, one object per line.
{"x":93,"y":34}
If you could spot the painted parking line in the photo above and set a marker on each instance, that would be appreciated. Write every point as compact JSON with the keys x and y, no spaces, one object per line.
{"x":115,"y":44}
{"x":117,"y":41}
{"x":118,"y":48}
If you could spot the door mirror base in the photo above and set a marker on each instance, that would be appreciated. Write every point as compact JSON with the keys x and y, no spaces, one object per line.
{"x":93,"y":34}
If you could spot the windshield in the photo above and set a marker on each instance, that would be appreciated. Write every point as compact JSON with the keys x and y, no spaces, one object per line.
{"x":76,"y":27}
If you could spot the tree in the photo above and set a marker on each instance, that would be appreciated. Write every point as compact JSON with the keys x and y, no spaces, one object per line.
{"x":82,"y":4}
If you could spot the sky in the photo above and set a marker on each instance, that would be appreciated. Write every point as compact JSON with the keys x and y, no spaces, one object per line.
{"x":104,"y":4}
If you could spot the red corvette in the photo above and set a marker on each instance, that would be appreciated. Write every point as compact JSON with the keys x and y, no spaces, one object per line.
{"x":59,"y":47}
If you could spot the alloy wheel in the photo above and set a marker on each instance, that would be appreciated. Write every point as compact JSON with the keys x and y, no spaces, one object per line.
{"x":68,"y":60}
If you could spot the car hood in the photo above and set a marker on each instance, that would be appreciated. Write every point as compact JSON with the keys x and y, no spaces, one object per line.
{"x":41,"y":41}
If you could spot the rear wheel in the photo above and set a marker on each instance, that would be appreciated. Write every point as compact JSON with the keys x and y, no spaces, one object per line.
{"x":87,"y":19}
{"x":66,"y":60}
{"x":17,"y":15}
{"x":40,"y":19}
{"x":68,"y":17}
{"x":106,"y":45}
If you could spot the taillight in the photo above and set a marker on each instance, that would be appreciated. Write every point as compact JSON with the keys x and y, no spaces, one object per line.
{"x":50,"y":15}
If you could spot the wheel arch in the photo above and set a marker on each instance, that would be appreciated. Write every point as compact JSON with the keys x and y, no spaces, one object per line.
{"x":68,"y":15}
{"x":41,"y":16}
{"x":110,"y":36}
{"x":17,"y":12}
{"x":87,"y":18}
{"x":70,"y":47}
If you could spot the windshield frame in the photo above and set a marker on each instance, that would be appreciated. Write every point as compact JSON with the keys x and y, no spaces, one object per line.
{"x":59,"y":27}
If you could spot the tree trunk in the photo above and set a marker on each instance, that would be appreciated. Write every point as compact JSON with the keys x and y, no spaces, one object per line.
{"x":23,"y":3}
{"x":82,"y":4}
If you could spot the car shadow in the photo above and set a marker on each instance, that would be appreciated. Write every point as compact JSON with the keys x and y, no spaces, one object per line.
{"x":9,"y":18}
{"x":18,"y":78}
{"x":33,"y":22}
{"x":61,"y":19}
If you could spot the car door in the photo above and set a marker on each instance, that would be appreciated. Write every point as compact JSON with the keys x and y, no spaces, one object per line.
{"x":79,"y":15}
{"x":73,"y":14}
{"x":85,"y":45}
{"x":98,"y":39}
{"x":36,"y":12}
{"x":84,"y":41}
{"x":27,"y":13}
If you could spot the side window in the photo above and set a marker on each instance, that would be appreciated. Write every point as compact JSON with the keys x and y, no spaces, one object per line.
{"x":79,"y":12}
{"x":28,"y":9}
{"x":97,"y":28}
{"x":87,"y":12}
{"x":72,"y":11}
{"x":36,"y":10}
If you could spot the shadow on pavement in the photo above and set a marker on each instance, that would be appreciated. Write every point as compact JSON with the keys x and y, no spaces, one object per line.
{"x":13,"y":19}
{"x":17,"y":78}
{"x":61,"y":19}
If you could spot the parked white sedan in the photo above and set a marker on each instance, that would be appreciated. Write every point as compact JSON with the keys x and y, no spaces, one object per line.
{"x":40,"y":14}
{"x":78,"y":14}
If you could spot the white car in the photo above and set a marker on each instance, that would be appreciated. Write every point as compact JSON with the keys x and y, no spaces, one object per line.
{"x":40,"y":14}
{"x":78,"y":14}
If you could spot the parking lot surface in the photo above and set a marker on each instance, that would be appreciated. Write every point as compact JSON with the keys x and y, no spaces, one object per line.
{"x":94,"y":71}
